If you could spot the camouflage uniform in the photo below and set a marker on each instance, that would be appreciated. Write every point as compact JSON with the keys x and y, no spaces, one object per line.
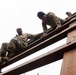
{"x":51,"y":20}
{"x":3,"y":52}
{"x":3,"y":49}
{"x":19,"y":42}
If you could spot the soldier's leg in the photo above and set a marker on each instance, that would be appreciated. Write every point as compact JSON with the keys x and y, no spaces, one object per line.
{"x":4,"y":49}
{"x":0,"y":57}
{"x":57,"y":21}
{"x":36,"y":37}
{"x":14,"y":46}
{"x":3,"y":52}
{"x":11,"y":48}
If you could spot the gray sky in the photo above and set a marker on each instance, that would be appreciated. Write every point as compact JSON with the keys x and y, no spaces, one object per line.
{"x":23,"y":13}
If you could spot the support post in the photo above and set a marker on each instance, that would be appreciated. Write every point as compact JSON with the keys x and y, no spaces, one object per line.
{"x":0,"y":72}
{"x":69,"y":58}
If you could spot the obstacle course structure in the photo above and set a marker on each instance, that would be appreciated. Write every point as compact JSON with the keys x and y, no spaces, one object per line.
{"x":67,"y":52}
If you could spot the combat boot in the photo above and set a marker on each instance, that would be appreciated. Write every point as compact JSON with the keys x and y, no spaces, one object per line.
{"x":1,"y":61}
{"x":5,"y":59}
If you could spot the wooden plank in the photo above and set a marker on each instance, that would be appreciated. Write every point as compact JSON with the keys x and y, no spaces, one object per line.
{"x":65,"y":25}
{"x":41,"y":45}
{"x":50,"y":34}
{"x":42,"y":60}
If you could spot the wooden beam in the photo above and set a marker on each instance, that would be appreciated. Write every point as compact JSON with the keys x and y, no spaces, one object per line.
{"x":69,"y":58}
{"x":51,"y":33}
{"x":42,"y":60}
{"x":41,"y":45}
{"x":65,"y":25}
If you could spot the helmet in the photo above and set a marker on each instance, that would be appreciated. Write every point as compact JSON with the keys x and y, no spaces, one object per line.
{"x":40,"y":14}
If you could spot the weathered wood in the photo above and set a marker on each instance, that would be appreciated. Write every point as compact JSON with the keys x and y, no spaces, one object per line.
{"x":41,"y":45}
{"x":50,"y":34}
{"x":42,"y":60}
{"x":49,"y":39}
{"x":69,"y":59}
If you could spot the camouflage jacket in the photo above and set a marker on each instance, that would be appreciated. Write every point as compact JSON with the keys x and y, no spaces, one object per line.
{"x":52,"y":20}
{"x":24,"y":38}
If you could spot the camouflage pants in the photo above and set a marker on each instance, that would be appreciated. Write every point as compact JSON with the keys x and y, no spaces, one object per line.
{"x":15,"y":45}
{"x":3,"y":49}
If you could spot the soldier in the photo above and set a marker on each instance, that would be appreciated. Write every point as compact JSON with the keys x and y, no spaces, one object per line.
{"x":69,"y":14}
{"x":20,"y":41}
{"x":49,"y":19}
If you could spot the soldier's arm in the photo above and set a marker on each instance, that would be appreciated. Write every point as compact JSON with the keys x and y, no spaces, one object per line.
{"x":30,"y":36}
{"x":44,"y":27}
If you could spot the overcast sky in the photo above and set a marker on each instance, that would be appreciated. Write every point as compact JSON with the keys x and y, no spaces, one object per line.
{"x":23,"y":13}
